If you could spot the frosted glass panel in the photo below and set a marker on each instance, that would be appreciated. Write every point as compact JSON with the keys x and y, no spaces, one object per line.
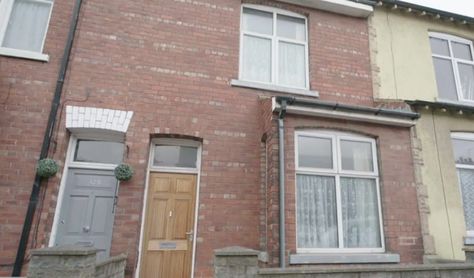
{"x":175,"y":156}
{"x":466,"y":179}
{"x":291,"y":27}
{"x":27,"y":25}
{"x":314,"y":152}
{"x":466,"y":76}
{"x":463,"y":151}
{"x":257,"y":59}
{"x":316,"y":212}
{"x":445,"y":78}
{"x":360,"y":216}
{"x":99,"y":152}
{"x":357,"y":156}
{"x":462,"y":51}
{"x":258,"y":21}
{"x":292,"y":67}
{"x":439,"y":46}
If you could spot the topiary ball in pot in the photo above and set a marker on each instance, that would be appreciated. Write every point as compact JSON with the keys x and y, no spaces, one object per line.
{"x":123,"y":172}
{"x":47,"y":167}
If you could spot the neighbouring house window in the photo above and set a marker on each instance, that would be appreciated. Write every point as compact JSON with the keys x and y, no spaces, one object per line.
{"x":463,"y":147}
{"x":454,"y":67}
{"x":23,"y":24}
{"x":273,"y":47}
{"x":337,"y":193}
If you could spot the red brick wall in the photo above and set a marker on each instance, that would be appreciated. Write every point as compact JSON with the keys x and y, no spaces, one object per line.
{"x":26,"y":90}
{"x":171,"y":63}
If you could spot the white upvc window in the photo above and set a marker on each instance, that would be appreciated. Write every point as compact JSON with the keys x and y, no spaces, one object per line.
{"x":273,"y":47}
{"x":23,"y":27}
{"x":338,"y":205}
{"x":463,"y":148}
{"x":454,"y":67}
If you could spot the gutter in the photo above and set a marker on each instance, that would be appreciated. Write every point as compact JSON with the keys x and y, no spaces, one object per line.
{"x":46,"y":142}
{"x":447,"y":105}
{"x":423,"y":10}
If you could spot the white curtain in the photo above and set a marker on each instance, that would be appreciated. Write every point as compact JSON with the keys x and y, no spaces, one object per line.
{"x":256,"y":64}
{"x":466,"y":74}
{"x":466,"y":179}
{"x":291,"y":67}
{"x":316,"y":212}
{"x":27,"y":25}
{"x":360,"y":217}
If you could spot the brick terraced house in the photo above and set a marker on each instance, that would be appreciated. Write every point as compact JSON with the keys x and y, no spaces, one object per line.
{"x":246,"y":123}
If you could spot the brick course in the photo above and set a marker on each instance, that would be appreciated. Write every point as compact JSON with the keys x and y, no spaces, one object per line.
{"x":171,"y":62}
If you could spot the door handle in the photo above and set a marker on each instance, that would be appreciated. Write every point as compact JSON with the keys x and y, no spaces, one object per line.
{"x":190,"y":235}
{"x":86,"y":229}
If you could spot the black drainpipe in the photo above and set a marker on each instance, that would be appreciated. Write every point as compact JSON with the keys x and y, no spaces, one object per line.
{"x":281,"y":148}
{"x":20,"y":255}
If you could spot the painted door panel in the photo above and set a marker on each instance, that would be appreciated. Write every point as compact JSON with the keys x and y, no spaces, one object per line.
{"x":87,"y":212}
{"x":169,"y":221}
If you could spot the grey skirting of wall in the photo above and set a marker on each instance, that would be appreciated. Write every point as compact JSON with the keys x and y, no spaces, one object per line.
{"x":238,"y":262}
{"x":74,"y":262}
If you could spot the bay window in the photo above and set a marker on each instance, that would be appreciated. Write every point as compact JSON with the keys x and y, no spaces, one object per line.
{"x":273,"y":47}
{"x":337,"y":193}
{"x":463,"y":147}
{"x":454,"y":67}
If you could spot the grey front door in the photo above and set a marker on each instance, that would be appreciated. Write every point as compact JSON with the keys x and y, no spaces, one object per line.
{"x":87,"y":211}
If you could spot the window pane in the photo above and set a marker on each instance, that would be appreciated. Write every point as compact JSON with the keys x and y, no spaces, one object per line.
{"x":292,"y":66}
{"x":360,"y":214}
{"x":463,"y":151}
{"x":175,"y":156}
{"x":99,"y":152}
{"x":314,"y":152}
{"x":466,"y":179}
{"x":445,"y":79}
{"x":27,"y":25}
{"x":439,"y":46}
{"x":257,"y":59}
{"x":462,"y":51}
{"x":316,"y":212}
{"x":291,"y":27}
{"x":466,"y":76}
{"x":258,"y":21}
{"x":357,"y":156}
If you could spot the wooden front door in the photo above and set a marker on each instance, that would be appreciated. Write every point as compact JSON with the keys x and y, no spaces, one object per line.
{"x":169,"y":222}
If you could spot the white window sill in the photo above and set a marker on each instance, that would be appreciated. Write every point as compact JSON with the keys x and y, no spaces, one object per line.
{"x":11,"y":52}
{"x":273,"y":88}
{"x":359,"y":258}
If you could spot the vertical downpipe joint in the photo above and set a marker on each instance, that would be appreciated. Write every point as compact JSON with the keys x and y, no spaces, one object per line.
{"x":281,"y":148}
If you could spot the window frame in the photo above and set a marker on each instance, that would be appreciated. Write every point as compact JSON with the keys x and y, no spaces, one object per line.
{"x":6,"y":7}
{"x":91,"y":165}
{"x":338,"y":173}
{"x":467,"y":137}
{"x":275,"y":39}
{"x":454,"y":62}
{"x":175,"y":142}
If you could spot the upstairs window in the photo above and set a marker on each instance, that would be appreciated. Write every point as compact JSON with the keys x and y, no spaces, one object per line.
{"x":337,"y":193}
{"x":23,"y":25}
{"x":454,"y":67}
{"x":273,"y":47}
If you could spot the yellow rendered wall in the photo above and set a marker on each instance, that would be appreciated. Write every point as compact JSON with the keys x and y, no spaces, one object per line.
{"x":401,"y":51}
{"x":446,"y":218}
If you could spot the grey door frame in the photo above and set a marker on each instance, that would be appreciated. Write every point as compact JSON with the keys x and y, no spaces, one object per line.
{"x":70,"y":163}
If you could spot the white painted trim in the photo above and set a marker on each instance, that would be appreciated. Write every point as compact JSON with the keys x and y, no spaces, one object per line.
{"x":335,"y":114}
{"x":454,"y":61}
{"x":150,"y":169}
{"x":336,"y":6}
{"x":71,"y":164}
{"x":17,"y":53}
{"x":337,"y":173}
{"x":273,"y":88}
{"x":6,"y":7}
{"x":274,"y":38}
